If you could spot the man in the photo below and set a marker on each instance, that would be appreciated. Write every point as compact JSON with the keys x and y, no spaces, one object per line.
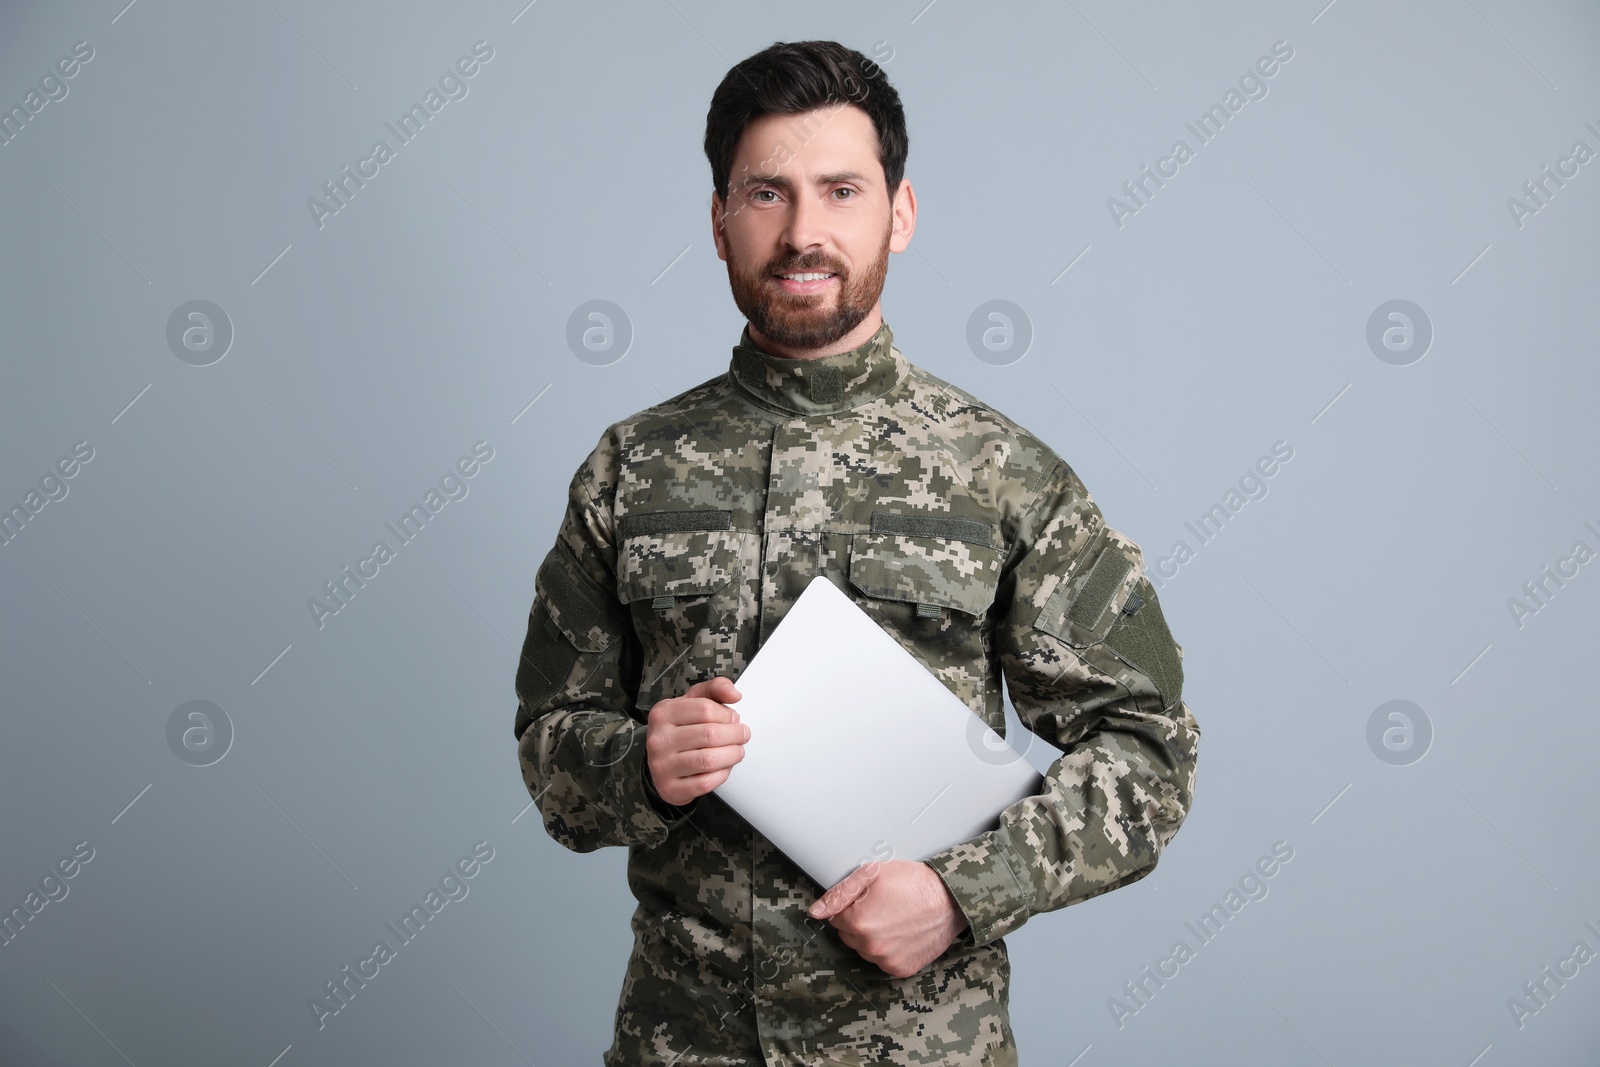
{"x":694,"y":525}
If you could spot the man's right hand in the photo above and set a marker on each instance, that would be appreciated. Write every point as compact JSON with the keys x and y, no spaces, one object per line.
{"x":692,"y":742}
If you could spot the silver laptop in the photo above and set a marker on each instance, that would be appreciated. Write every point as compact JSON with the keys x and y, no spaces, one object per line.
{"x":856,"y":751}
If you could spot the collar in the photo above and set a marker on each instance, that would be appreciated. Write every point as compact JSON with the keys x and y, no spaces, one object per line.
{"x":823,"y":385}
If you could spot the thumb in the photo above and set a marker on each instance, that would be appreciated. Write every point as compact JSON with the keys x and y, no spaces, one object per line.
{"x":846,"y":893}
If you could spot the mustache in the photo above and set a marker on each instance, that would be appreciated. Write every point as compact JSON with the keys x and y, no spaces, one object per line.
{"x":803,"y":267}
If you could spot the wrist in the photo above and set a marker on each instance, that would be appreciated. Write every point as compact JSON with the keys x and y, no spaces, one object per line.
{"x":956,"y":918}
{"x":663,"y":808}
{"x":982,"y":878}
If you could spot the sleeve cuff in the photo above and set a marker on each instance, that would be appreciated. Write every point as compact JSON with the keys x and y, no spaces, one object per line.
{"x":636,"y":793}
{"x":982,"y":877}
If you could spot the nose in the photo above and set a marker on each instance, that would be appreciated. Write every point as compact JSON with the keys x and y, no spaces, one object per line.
{"x":804,"y":229}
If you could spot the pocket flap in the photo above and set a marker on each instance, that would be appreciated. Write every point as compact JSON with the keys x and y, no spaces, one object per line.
{"x":574,"y":604}
{"x":923,"y":569}
{"x":663,"y":561}
{"x":1085,"y":605}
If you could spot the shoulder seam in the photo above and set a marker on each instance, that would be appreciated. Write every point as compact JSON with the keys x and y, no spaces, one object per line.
{"x":675,"y":401}
{"x":581,"y":480}
{"x":961,"y":396}
{"x":1045,"y":475}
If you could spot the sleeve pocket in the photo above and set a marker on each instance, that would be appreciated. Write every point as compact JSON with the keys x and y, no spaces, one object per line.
{"x":568,"y":617}
{"x":572,"y":603}
{"x":1086,"y":604}
{"x":547,"y":659}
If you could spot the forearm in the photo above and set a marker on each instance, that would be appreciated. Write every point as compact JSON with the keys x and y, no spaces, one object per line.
{"x":586,"y":771}
{"x":1092,"y":668}
{"x":1106,"y":810}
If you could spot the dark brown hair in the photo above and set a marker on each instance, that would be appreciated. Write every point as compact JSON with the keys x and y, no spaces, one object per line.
{"x":789,"y":78}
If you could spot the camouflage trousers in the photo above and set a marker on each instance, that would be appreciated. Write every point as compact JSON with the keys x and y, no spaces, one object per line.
{"x":676,"y":1011}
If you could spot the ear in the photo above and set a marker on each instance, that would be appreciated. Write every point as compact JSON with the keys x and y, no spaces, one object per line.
{"x":718,"y":236}
{"x":903,"y":210}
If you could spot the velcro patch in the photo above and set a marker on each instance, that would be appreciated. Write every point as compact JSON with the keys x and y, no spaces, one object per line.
{"x":576,"y":608}
{"x":1098,"y":590}
{"x":655,"y":522}
{"x":1099,"y":586}
{"x":543,"y":667}
{"x":827,"y":384}
{"x":922,"y":525}
{"x":1144,"y":641}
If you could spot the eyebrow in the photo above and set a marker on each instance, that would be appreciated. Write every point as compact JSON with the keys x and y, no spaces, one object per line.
{"x":784,"y":183}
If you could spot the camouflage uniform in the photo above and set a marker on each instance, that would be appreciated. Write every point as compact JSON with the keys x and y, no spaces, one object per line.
{"x":690,"y":530}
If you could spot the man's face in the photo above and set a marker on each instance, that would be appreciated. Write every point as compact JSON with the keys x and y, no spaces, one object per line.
{"x":806,"y":195}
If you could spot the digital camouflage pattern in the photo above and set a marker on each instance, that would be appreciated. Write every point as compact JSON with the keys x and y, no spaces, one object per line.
{"x":690,"y":530}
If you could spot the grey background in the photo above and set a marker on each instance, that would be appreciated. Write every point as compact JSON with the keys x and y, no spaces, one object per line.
{"x":1228,"y":314}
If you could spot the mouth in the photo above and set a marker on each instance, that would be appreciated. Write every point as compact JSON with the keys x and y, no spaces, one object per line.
{"x":801,"y":282}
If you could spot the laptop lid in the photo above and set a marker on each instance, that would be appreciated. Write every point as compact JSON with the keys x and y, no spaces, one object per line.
{"x":857,"y":752}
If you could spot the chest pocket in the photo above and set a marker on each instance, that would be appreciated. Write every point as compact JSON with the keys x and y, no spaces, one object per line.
{"x":931,"y":561}
{"x":929,"y":580}
{"x":678,"y":573}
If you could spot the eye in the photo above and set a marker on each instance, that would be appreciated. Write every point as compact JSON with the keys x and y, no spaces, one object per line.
{"x":759,"y":192}
{"x":845,"y":189}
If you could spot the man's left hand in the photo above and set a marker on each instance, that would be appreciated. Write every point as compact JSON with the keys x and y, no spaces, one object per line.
{"x":896,"y":914}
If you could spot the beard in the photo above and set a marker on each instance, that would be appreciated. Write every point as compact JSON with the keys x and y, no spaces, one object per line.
{"x":811,"y":320}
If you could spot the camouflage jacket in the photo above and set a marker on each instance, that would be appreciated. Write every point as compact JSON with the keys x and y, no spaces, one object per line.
{"x":690,"y":529}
